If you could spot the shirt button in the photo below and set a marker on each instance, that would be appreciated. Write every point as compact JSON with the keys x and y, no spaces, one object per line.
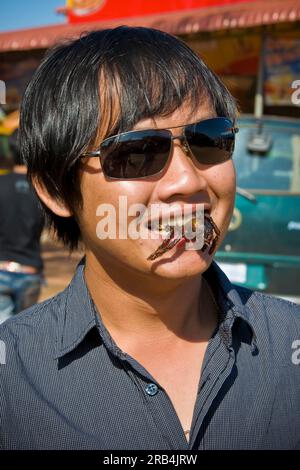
{"x":151,"y":389}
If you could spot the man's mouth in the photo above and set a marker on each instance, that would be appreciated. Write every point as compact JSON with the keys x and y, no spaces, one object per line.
{"x":179,"y":234}
{"x":165,"y":225}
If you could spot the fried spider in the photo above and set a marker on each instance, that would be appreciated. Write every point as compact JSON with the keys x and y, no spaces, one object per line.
{"x":211,"y":237}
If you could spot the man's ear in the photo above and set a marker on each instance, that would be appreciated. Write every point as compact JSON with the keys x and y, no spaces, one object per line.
{"x":57,"y":206}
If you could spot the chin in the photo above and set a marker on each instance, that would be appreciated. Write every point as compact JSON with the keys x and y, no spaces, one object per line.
{"x":183,"y":265}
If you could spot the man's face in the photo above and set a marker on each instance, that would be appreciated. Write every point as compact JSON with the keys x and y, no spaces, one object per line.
{"x":183,"y":181}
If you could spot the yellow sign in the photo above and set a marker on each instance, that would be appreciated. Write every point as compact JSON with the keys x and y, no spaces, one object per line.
{"x":10,"y":123}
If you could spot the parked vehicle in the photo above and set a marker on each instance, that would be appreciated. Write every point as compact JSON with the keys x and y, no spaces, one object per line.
{"x":262,"y":247}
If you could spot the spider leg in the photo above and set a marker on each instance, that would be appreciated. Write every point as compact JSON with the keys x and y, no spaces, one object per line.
{"x":163,"y":247}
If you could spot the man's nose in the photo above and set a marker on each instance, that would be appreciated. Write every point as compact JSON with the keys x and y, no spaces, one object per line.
{"x":182,"y":178}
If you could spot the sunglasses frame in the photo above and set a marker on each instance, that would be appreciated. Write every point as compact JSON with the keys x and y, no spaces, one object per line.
{"x":182,"y":138}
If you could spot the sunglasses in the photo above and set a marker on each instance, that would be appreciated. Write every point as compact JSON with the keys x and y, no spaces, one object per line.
{"x":142,"y":153}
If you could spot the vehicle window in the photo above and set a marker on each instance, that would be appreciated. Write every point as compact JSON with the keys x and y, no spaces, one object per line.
{"x":278,"y":169}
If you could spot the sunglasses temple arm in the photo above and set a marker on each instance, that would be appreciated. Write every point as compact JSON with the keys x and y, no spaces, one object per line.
{"x":95,"y":153}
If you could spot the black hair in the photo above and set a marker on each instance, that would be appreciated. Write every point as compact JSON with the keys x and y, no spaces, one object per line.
{"x":96,"y":86}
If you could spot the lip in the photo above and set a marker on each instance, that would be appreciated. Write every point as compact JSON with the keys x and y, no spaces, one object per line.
{"x":173,"y":215}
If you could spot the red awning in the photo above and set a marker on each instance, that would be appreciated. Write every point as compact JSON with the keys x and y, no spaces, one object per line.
{"x":261,"y":12}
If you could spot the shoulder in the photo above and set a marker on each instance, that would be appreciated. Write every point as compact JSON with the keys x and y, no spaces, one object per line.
{"x":39,"y":332}
{"x":257,"y":307}
{"x":33,"y":329}
{"x":273,"y":307}
{"x":276,"y":322}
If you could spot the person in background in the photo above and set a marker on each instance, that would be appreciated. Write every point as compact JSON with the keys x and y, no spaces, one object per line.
{"x":21,"y":225}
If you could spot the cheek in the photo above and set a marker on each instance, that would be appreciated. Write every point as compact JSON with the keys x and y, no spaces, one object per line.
{"x":223,"y":186}
{"x":224,"y":180}
{"x":92,"y":196}
{"x":102,"y":198}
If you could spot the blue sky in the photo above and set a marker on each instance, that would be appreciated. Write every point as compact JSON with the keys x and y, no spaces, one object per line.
{"x":17,"y":14}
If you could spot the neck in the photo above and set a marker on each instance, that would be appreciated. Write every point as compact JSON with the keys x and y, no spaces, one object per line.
{"x":139,"y":308}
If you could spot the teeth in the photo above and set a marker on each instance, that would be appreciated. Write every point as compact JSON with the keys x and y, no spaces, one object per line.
{"x":195,"y":224}
{"x":176,"y":222}
{"x":164,"y":228}
{"x":158,"y":226}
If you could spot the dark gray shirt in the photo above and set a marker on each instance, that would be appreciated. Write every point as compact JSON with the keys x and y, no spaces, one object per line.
{"x":65,"y":383}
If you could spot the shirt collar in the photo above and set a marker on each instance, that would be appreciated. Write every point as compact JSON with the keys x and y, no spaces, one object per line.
{"x":234,"y":304}
{"x":78,"y":314}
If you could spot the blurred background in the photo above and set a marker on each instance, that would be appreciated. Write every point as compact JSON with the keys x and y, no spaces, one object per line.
{"x":254,"y":46}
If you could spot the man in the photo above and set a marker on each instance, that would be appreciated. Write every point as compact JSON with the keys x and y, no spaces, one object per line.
{"x":21,"y":224}
{"x":150,"y":346}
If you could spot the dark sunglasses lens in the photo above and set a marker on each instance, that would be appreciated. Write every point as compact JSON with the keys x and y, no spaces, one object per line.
{"x":136,"y":154}
{"x":211,"y":141}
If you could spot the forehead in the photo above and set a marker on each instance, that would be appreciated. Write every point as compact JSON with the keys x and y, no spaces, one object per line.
{"x":180,"y":117}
